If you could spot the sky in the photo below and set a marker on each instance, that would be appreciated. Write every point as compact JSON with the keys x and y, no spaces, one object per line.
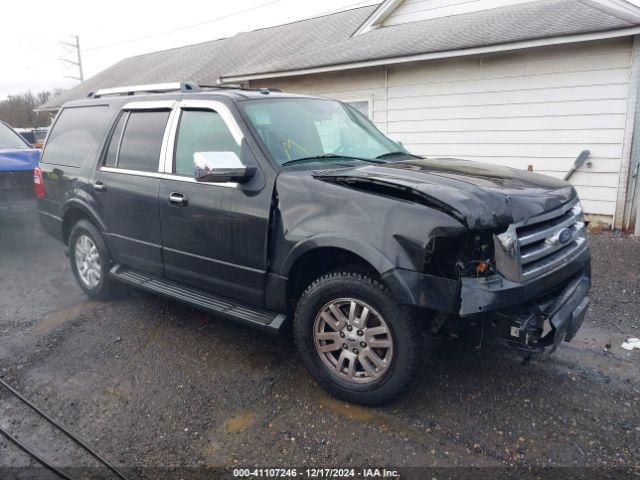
{"x":31,"y":32}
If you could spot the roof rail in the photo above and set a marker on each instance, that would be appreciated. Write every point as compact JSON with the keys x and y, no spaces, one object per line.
{"x":149,"y":88}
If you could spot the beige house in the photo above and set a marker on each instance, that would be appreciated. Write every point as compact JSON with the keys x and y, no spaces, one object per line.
{"x":523,"y":83}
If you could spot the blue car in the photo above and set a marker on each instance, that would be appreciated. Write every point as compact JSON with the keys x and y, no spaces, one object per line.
{"x":18,"y":159}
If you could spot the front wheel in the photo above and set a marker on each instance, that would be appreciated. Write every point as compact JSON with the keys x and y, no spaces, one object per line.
{"x":356,"y":340}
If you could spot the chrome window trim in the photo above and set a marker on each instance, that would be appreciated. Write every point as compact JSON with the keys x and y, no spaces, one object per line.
{"x":166,"y":138}
{"x":222,"y":109}
{"x":151,"y":105}
{"x":124,"y":127}
{"x":182,"y":178}
{"x":142,"y":106}
{"x":126,"y":171}
{"x":214,"y":106}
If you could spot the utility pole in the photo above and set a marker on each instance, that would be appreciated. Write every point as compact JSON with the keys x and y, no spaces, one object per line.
{"x":78,"y":62}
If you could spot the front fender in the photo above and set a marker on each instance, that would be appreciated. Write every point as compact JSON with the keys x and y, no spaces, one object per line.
{"x":366,"y":251}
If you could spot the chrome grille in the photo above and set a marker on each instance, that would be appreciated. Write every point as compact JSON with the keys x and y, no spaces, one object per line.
{"x":540,"y":244}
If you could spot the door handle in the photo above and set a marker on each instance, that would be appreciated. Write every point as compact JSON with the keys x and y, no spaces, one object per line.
{"x":178,"y":199}
{"x":99,"y":187}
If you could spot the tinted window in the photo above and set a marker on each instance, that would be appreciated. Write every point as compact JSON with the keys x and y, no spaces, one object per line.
{"x":142,"y":139}
{"x":10,"y":139}
{"x":201,"y":131}
{"x":76,"y":135}
{"x":112,"y":151}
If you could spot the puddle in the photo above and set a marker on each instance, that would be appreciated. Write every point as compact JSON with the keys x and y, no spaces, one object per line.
{"x":62,"y":316}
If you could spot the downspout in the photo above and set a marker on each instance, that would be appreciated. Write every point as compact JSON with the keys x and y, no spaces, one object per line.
{"x":386,"y":98}
{"x":631,"y":194}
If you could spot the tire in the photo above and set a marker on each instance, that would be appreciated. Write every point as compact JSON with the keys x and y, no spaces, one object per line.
{"x":357,"y":379}
{"x":95,"y":286}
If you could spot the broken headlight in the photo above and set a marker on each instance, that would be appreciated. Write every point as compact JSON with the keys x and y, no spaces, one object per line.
{"x":469,"y":255}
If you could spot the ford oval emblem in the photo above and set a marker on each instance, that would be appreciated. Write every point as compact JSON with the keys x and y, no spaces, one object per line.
{"x":564,"y":235}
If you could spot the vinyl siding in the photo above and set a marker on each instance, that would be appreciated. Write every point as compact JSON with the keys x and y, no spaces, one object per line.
{"x":417,"y":10}
{"x":538,"y":107}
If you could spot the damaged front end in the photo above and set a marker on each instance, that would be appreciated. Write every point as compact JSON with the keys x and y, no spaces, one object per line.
{"x":526,"y":285}
{"x":540,"y":325}
{"x":520,"y":266}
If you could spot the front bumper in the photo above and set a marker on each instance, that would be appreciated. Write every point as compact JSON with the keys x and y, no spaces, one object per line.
{"x":543,"y":323}
{"x":535,"y":316}
{"x":473,"y":296}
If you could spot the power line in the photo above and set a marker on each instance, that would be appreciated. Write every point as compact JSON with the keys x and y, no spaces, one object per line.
{"x":205,"y":22}
{"x":186,"y":27}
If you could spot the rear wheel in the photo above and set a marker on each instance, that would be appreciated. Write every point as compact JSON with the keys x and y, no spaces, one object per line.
{"x":356,"y":340}
{"x":90,"y":260}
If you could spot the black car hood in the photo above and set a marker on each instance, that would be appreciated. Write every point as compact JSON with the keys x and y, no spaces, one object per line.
{"x":479,"y":194}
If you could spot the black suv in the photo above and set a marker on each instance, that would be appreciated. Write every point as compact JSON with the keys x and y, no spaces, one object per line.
{"x":274,"y":209}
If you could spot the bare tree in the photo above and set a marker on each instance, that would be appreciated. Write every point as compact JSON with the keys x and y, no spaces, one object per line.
{"x":19,"y":110}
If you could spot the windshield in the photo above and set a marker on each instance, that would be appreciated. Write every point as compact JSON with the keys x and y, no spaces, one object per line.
{"x":10,"y":139}
{"x":316,"y":129}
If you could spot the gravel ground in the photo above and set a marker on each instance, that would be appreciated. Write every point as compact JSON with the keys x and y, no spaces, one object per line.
{"x":154,"y":384}
{"x":615,"y":302}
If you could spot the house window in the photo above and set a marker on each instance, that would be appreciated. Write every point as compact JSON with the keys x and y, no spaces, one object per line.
{"x":362,"y":106}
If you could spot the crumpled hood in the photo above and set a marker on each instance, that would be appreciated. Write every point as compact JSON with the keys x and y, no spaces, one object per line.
{"x":13,"y":159}
{"x":479,"y":194}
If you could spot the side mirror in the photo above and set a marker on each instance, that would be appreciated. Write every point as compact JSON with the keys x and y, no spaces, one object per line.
{"x":220,"y":167}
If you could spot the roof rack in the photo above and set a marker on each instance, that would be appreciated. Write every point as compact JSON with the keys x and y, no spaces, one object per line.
{"x":170,"y":87}
{"x":149,"y":88}
{"x":239,"y":87}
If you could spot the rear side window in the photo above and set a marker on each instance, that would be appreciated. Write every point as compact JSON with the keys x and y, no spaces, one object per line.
{"x":141,"y":140}
{"x":76,"y":135}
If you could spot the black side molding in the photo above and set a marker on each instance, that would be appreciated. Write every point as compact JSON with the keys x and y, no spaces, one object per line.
{"x":263,"y":319}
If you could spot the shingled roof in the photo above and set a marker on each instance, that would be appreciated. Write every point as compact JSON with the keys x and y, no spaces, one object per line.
{"x":329,"y":41}
{"x":204,"y":63}
{"x":504,"y":25}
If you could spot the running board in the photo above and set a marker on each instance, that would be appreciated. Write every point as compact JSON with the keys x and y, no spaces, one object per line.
{"x":255,"y":317}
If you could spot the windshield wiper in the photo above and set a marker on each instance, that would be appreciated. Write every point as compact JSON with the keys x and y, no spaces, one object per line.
{"x":395,"y":154}
{"x":329,"y":156}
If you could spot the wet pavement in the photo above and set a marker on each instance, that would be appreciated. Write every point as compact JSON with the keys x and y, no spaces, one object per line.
{"x":152,"y":383}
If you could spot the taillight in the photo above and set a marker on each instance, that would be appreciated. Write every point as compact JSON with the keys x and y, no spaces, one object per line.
{"x":38,"y":183}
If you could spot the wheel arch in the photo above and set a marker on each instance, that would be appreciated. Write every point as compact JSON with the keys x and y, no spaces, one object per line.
{"x":74,"y":211}
{"x":318,"y":255}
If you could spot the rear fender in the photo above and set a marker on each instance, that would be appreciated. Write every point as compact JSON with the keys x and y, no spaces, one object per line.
{"x":79,"y":204}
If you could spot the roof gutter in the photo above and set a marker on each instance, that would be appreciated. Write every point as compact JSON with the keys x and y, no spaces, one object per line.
{"x":584,"y":37}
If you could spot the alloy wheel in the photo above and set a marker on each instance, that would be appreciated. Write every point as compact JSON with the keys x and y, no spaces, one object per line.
{"x":353,"y":340}
{"x":87,"y":259}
